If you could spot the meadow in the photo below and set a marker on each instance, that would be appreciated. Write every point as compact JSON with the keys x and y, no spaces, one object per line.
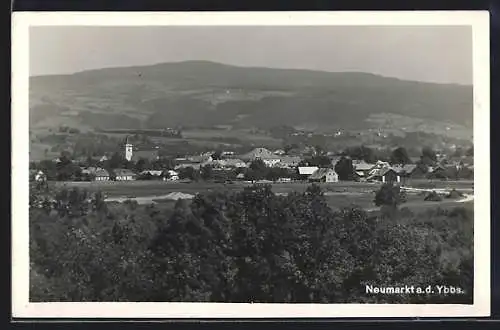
{"x":337,"y":195}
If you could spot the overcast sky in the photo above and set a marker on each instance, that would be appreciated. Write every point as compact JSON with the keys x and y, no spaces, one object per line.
{"x":434,"y":54}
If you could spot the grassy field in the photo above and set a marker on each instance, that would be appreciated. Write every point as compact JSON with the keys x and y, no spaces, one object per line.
{"x":152,"y":188}
{"x":338,"y":194}
{"x":149,"y":188}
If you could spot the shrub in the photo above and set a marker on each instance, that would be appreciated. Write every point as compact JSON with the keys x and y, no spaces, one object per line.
{"x":454,"y":194}
{"x":433,"y":197}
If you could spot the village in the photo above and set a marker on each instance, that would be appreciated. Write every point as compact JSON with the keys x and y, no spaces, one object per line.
{"x":258,"y":165}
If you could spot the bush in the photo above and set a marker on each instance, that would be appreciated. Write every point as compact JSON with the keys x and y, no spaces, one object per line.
{"x":390,"y":195}
{"x":433,"y":197}
{"x":454,"y":194}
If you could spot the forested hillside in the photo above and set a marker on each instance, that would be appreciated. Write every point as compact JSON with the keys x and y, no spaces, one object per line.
{"x":198,"y":93}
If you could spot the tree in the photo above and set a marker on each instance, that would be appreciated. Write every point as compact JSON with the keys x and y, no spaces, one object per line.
{"x":361,"y":152}
{"x":345,"y":169}
{"x":217,"y":155}
{"x":165,"y":174}
{"x":141,"y":165}
{"x":257,"y":170}
{"x":49,"y":168}
{"x":116,"y":161}
{"x":207,"y":172}
{"x":459,"y":152}
{"x":66,"y":170}
{"x":389,"y":195}
{"x":244,"y":246}
{"x":288,"y":147}
{"x":429,"y":156}
{"x":320,"y":161}
{"x":319,"y":150}
{"x":189,"y":173}
{"x":400,"y":156}
{"x":275,"y":173}
{"x":163,"y":164}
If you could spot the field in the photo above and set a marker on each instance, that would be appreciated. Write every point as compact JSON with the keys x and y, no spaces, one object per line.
{"x":338,"y":194}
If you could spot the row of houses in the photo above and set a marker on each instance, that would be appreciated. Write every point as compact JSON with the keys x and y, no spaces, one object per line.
{"x":271,"y":159}
{"x":101,"y":174}
{"x":384,"y":172}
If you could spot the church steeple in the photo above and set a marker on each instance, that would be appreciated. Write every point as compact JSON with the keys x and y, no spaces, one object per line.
{"x":128,"y":149}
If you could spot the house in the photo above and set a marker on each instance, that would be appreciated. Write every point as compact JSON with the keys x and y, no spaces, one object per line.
{"x":240,"y":176}
{"x":95,"y":174}
{"x":306,"y":171}
{"x":102,"y":159}
{"x":379,"y":165}
{"x":202,"y":159}
{"x":37,"y":175}
{"x":438,"y":172}
{"x":385,"y":175}
{"x":324,"y":175}
{"x":279,"y":152}
{"x":408,"y":171}
{"x":228,"y":163}
{"x":40,"y":177}
{"x":182,"y":165}
{"x":196,"y":162}
{"x":362,"y":168}
{"x":288,"y":162}
{"x":82,"y":161}
{"x":121,"y":174}
{"x":170,"y":175}
{"x":269,"y":158}
{"x":414,"y":171}
{"x":271,"y":162}
{"x":151,"y":174}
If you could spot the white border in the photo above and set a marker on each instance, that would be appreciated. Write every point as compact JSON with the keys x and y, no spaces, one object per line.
{"x":479,"y":20}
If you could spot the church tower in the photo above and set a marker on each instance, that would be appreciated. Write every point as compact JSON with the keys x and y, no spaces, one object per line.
{"x":128,"y":150}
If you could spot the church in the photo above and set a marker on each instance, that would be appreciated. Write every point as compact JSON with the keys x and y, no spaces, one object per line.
{"x":132,"y":155}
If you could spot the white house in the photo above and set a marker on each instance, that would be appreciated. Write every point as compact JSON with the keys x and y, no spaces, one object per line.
{"x":152,"y":172}
{"x":271,"y":162}
{"x":95,"y":173}
{"x":324,"y":175}
{"x":172,"y":176}
{"x":288,"y":161}
{"x":124,"y":175}
{"x":40,"y":177}
{"x":306,"y":171}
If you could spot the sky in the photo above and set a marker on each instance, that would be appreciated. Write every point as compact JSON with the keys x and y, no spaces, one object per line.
{"x":441,"y":54}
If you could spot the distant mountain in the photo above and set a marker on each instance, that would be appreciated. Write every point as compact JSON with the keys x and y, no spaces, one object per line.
{"x":202,"y":93}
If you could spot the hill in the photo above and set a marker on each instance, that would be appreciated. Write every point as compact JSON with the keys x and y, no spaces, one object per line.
{"x":201,"y":93}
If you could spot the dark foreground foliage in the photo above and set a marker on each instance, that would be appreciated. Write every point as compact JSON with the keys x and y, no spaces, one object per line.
{"x":249,"y":246}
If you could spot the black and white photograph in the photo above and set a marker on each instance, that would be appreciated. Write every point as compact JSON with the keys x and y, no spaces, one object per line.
{"x":252,"y":164}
